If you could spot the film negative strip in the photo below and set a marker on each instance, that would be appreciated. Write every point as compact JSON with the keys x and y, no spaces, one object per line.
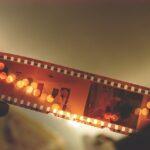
{"x":73,"y":94}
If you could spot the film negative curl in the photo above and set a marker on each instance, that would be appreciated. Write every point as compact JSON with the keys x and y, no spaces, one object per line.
{"x":72,"y":94}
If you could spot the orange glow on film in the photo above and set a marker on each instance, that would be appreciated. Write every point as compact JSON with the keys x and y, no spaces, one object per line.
{"x":20,"y":84}
{"x":50,"y":98}
{"x":36,"y":92}
{"x":34,"y":85}
{"x":29,"y":89}
{"x":3,"y":75}
{"x":2,"y":66}
{"x":25,"y":82}
{"x":11,"y":78}
{"x":148,"y":105}
{"x":55,"y":106}
{"x":145,"y":111}
{"x":43,"y":97}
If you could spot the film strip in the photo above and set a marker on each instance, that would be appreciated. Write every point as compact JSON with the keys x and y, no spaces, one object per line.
{"x":84,"y":94}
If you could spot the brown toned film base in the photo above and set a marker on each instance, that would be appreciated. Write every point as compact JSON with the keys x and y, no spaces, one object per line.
{"x":83,"y":75}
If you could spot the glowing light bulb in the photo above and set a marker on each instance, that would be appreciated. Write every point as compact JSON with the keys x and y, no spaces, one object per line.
{"x":34,"y":85}
{"x":2,"y":66}
{"x":29,"y":89}
{"x":3,"y":75}
{"x":26,"y":82}
{"x":145,"y":112}
{"x":148,"y":105}
{"x":55,"y":106}
{"x":20,"y":84}
{"x":36,"y":92}
{"x":50,"y":98}
{"x":10,"y":78}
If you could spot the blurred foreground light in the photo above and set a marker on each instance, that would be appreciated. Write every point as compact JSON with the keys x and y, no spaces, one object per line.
{"x":10,"y":78}
{"x":20,"y":84}
{"x":50,"y":98}
{"x":148,"y":105}
{"x":3,"y":75}
{"x":36,"y":92}
{"x":34,"y":85}
{"x":145,"y":112}
{"x":29,"y":89}
{"x":26,"y":82}
{"x":2,"y":66}
{"x":55,"y":106}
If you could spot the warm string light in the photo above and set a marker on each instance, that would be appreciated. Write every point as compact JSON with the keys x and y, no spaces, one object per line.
{"x":148,"y":105}
{"x":3,"y":75}
{"x":2,"y":66}
{"x":55,"y":106}
{"x":142,"y":111}
{"x":145,"y":112}
{"x":34,"y":85}
{"x":36,"y":92}
{"x":10,"y":78}
{"x":26,"y":82}
{"x":20,"y":84}
{"x":50,"y":99}
{"x":29,"y":89}
{"x":32,"y":89}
